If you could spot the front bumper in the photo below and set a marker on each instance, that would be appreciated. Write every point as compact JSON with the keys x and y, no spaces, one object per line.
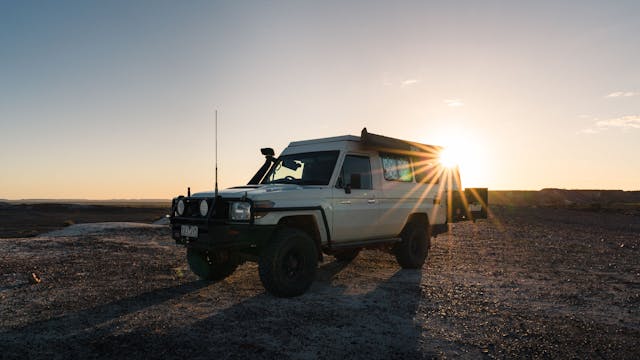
{"x":216,"y":230}
{"x":221,"y":235}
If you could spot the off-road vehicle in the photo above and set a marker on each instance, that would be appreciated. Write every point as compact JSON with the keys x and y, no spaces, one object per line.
{"x":333,"y":196}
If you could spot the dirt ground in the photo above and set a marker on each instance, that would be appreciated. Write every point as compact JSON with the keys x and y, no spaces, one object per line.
{"x":533,"y":283}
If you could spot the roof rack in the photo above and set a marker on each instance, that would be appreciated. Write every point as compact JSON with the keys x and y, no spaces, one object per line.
{"x":393,"y":145}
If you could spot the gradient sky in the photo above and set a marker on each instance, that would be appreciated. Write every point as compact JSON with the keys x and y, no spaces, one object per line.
{"x":115,"y":99}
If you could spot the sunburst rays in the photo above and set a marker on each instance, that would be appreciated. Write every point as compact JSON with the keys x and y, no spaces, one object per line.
{"x":431,"y":168}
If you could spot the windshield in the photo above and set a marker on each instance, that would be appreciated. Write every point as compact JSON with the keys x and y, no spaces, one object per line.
{"x":313,"y":168}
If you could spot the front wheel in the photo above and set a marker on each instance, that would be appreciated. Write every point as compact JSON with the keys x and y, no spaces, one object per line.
{"x":288,"y":264}
{"x":212,"y":266}
{"x":412,"y":251}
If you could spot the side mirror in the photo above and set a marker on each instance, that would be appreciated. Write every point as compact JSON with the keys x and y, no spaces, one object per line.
{"x":290,"y":164}
{"x":267,"y":152}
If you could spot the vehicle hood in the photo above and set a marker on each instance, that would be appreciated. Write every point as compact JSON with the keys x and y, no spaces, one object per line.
{"x":257,"y":192}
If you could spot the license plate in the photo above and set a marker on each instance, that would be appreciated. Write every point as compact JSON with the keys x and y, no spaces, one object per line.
{"x":189,"y":231}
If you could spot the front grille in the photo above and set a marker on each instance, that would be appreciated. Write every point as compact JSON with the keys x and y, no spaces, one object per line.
{"x":221,"y":210}
{"x":192,"y":208}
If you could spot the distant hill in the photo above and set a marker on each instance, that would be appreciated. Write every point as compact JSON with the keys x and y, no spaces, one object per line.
{"x":112,"y":202}
{"x":559,"y":198}
{"x":576,"y":199}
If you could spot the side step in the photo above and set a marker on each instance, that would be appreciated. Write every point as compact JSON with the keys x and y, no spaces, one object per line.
{"x":364,"y":243}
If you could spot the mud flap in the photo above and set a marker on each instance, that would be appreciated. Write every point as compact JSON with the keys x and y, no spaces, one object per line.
{"x":470,"y":205}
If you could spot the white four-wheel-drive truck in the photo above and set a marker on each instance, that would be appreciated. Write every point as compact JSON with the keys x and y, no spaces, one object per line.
{"x":333,"y":196}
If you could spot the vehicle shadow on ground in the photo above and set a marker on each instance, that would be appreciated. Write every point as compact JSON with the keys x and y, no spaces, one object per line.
{"x":327,"y":322}
{"x":59,"y":336}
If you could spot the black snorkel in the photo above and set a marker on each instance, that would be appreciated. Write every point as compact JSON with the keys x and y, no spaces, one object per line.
{"x":269,"y":161}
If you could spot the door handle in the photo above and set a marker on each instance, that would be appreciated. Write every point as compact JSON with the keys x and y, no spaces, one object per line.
{"x":371,"y":201}
{"x":345,"y":202}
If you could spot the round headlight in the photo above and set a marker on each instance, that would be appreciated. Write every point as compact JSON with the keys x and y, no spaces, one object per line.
{"x":180,"y":207}
{"x":204,"y":208}
{"x":240,"y":210}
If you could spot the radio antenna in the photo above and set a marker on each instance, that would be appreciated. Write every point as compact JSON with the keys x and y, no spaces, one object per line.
{"x":216,"y":147}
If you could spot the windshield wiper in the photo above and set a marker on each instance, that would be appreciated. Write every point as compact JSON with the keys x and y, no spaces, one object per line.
{"x":286,"y":181}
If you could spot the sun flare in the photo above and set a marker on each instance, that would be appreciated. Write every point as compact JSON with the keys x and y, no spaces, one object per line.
{"x":465,"y":151}
{"x":449,"y":158}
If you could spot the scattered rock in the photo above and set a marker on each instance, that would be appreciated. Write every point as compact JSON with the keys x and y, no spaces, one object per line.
{"x":35,"y":278}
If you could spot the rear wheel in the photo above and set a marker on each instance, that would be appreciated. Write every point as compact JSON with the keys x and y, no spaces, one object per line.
{"x":288,"y":264}
{"x":412,"y":251}
{"x":213,"y":266}
{"x":346,"y":255}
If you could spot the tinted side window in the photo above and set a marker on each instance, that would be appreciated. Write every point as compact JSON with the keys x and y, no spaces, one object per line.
{"x":396,"y":167}
{"x":427,"y":171}
{"x":358,"y":165}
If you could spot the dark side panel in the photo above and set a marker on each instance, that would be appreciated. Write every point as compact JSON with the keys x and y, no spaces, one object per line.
{"x":468,"y":205}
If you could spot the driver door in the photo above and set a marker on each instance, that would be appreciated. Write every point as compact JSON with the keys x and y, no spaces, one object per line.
{"x":355,"y":206}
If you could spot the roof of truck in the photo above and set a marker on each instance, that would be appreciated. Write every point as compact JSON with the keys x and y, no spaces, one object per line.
{"x":380,"y":142}
{"x":325,"y":140}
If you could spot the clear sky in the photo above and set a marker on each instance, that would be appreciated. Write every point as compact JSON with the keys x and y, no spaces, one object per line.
{"x":109,"y":99}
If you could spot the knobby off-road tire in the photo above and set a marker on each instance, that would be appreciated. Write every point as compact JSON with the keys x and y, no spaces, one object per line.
{"x":288,"y":264}
{"x":412,"y":251}
{"x":346,"y":255}
{"x":211,"y":267}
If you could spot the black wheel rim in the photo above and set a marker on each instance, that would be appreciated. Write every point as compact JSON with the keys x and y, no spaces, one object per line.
{"x":415,"y":244}
{"x":293,"y":264}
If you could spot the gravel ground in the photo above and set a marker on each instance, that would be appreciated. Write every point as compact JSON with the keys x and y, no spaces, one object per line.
{"x":539,"y":283}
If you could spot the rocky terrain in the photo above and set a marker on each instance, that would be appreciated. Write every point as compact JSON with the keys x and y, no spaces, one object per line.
{"x":528,"y":282}
{"x":25,"y":219}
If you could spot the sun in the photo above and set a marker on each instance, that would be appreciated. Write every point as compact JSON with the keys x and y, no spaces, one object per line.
{"x":449,"y":157}
{"x":465,"y":151}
